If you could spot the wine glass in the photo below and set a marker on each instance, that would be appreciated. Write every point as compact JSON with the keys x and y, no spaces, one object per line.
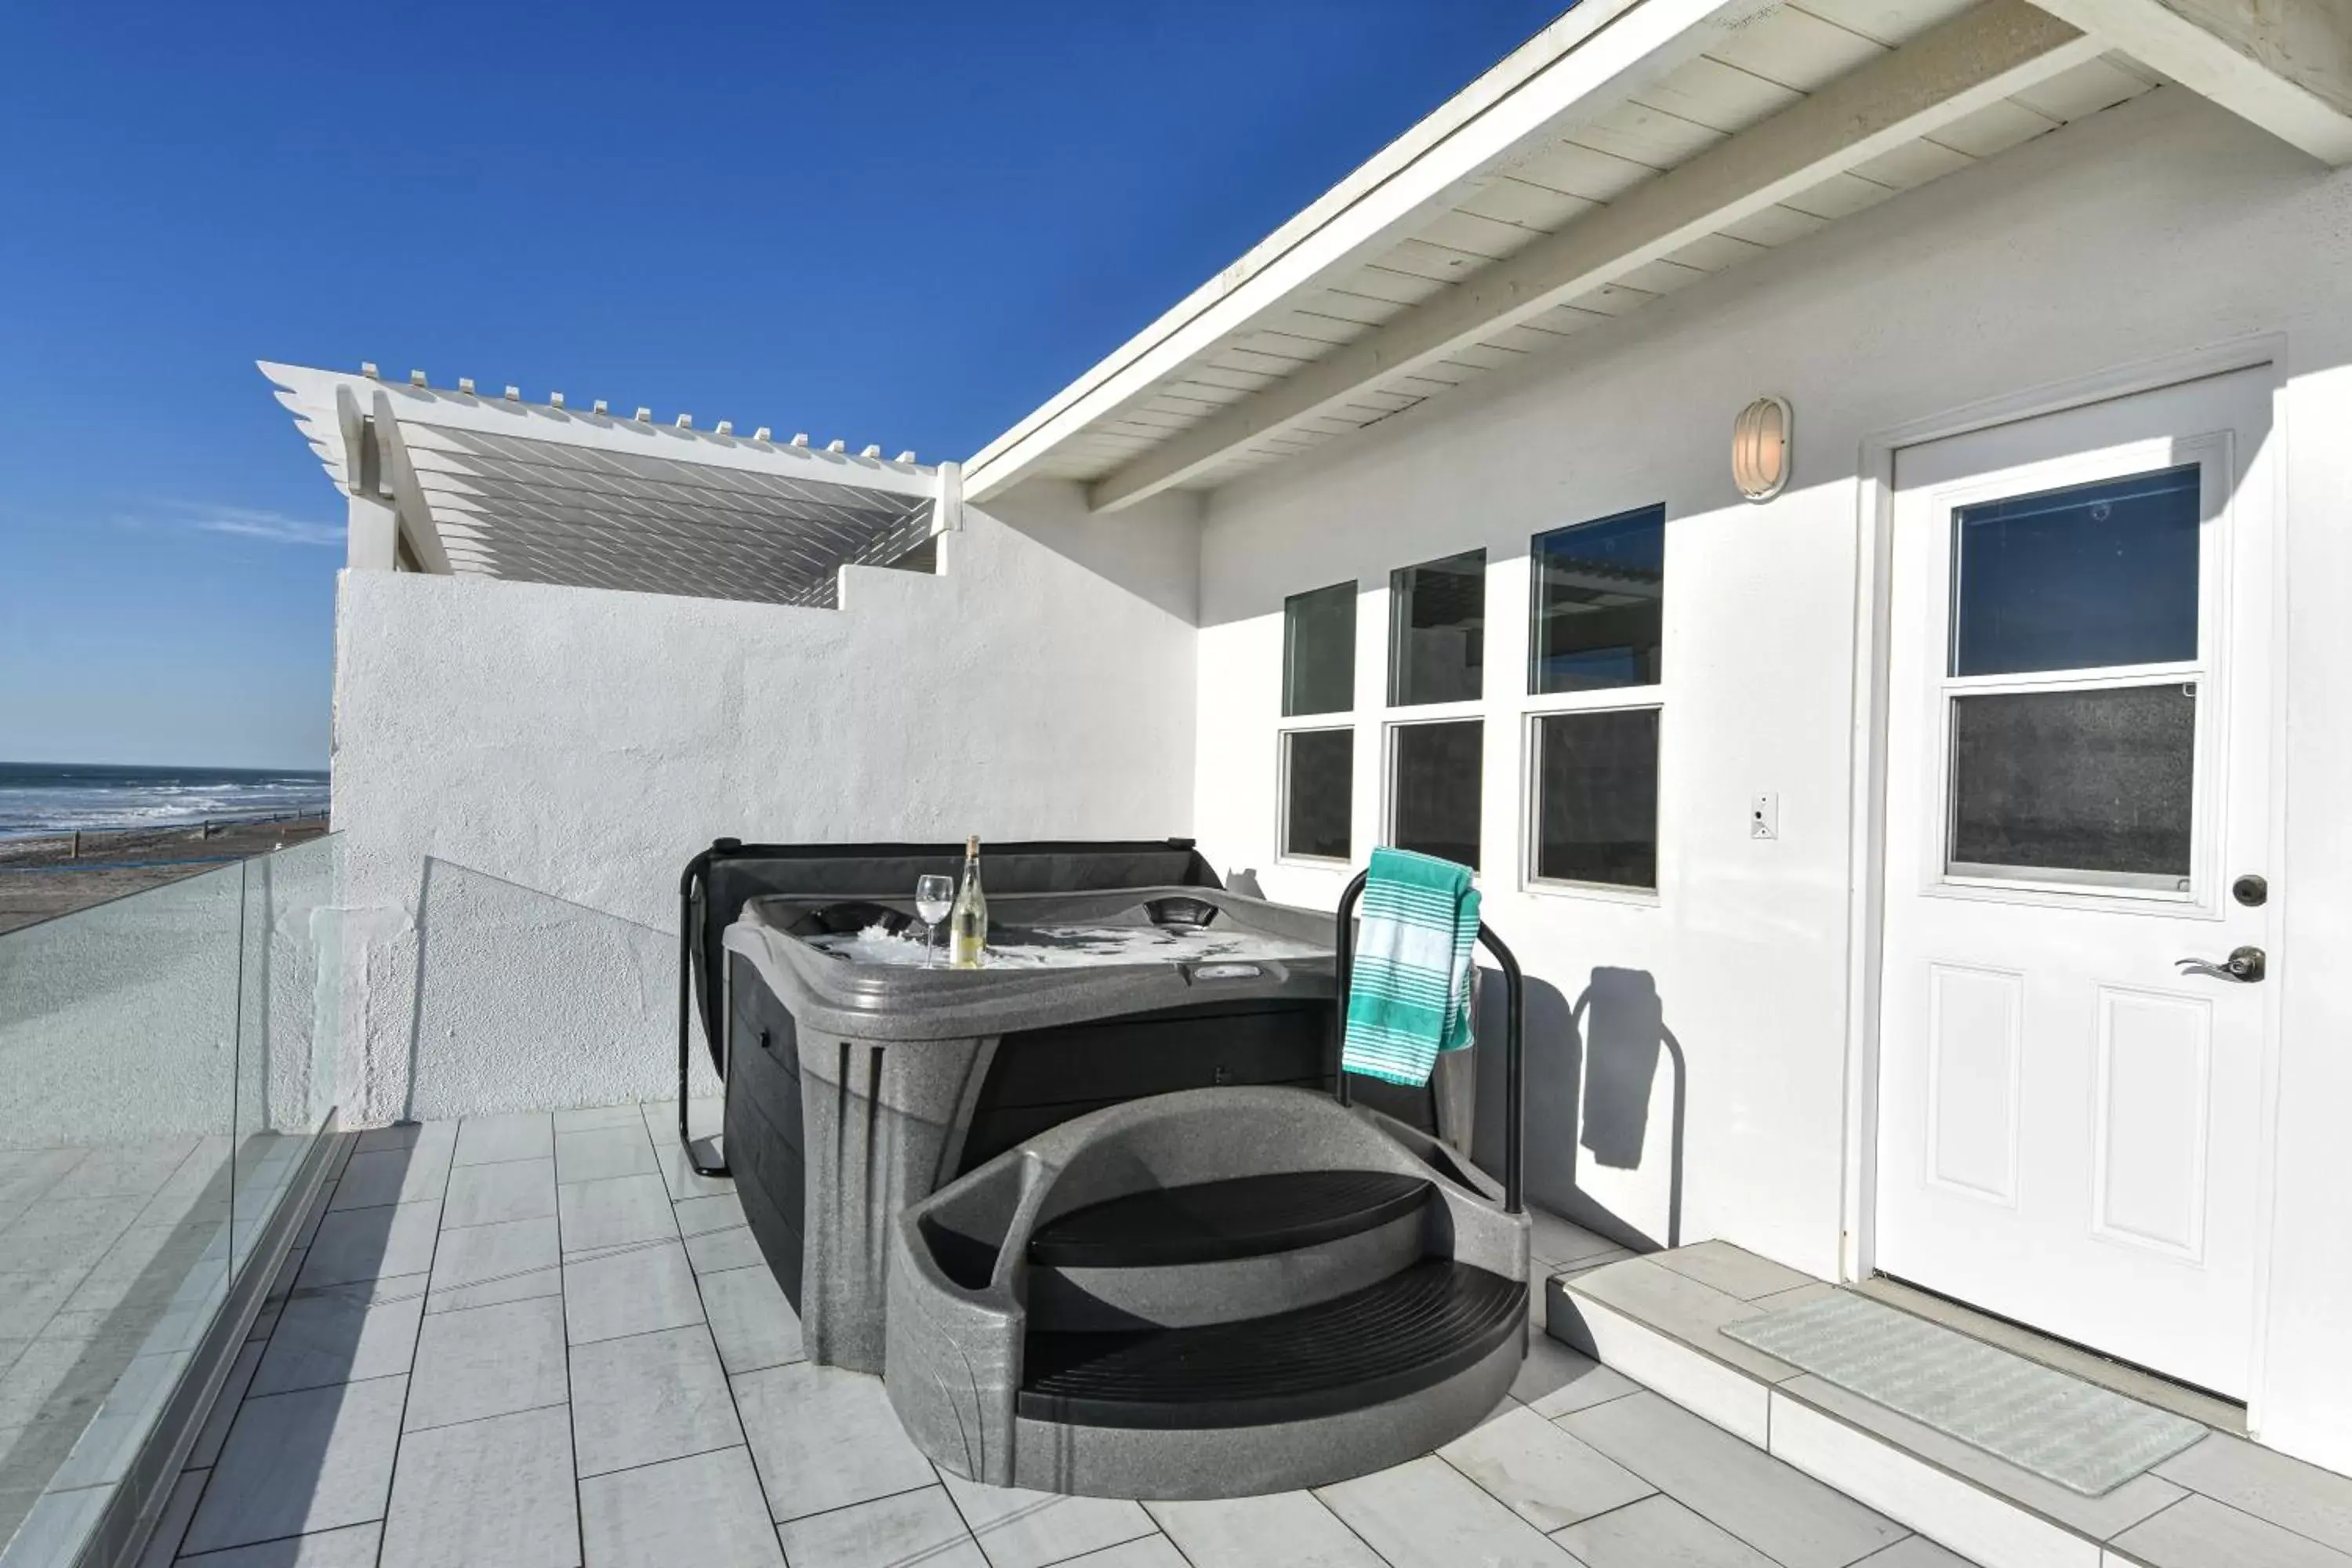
{"x":934,"y":897}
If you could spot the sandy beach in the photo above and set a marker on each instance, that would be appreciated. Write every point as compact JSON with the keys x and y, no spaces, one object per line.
{"x":43,"y":878}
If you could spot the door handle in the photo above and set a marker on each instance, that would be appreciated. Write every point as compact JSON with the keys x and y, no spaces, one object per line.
{"x":2246,"y":966}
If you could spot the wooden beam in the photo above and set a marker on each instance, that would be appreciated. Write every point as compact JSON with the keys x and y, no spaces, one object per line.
{"x":2286,"y":65}
{"x":416,"y":524}
{"x":1975,"y":59}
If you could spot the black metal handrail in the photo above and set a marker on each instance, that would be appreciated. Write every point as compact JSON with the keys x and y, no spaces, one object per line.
{"x":1514,"y":1089}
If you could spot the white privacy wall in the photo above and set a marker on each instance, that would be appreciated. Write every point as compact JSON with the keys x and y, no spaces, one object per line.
{"x":522,"y":771}
{"x":2159,"y":228}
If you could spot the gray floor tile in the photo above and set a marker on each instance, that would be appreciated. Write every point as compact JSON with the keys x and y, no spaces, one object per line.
{"x":494,"y":1491}
{"x":339,"y":1335}
{"x":372,"y":1244}
{"x":2098,"y":1517}
{"x":1555,"y":1379}
{"x":918,"y":1527}
{"x":1151,"y":1551}
{"x":1557,"y":1240}
{"x":650,"y":1398}
{"x":1788,"y":1516}
{"x":171,"y":1525}
{"x":1658,"y":1533}
{"x":825,"y":1438}
{"x":752,"y":1321}
{"x":2306,"y":1499}
{"x":28,"y":1301}
{"x":599,"y":1153}
{"x":1427,"y":1514}
{"x":389,"y":1176}
{"x":1734,"y":1270}
{"x":519,"y":1135}
{"x":1546,"y":1476}
{"x":1677,"y":1305}
{"x":483,"y":1265}
{"x":715,"y":1252}
{"x":703,"y":1509}
{"x":1914,"y":1552}
{"x":62,"y":1380}
{"x":1280,"y":1529}
{"x":678,"y":1171}
{"x":598,"y":1116}
{"x":700,"y":1216}
{"x":353,"y":1546}
{"x":1019,"y":1529}
{"x":632,"y":1291}
{"x":499,"y":1193}
{"x":2198,"y":1532}
{"x":491,"y":1361}
{"x":615,"y":1213}
{"x":298,"y":1463}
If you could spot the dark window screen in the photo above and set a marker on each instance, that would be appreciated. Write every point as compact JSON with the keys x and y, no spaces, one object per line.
{"x":2082,"y":578}
{"x":2098,"y":781}
{"x":1435,"y":796}
{"x":1597,"y":797}
{"x":1318,"y":774}
{"x":1437,"y":631}
{"x":1600,"y":600}
{"x":1318,"y":651}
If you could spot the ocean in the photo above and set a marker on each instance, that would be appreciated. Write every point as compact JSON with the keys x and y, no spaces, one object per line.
{"x":57,"y":797}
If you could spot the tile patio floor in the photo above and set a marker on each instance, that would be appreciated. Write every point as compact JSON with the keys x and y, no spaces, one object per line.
{"x":541,"y":1339}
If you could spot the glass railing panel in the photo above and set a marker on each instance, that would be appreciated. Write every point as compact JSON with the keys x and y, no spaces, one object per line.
{"x":165,"y":1060}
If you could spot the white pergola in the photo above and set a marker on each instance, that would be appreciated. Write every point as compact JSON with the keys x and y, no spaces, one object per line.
{"x":446,"y":480}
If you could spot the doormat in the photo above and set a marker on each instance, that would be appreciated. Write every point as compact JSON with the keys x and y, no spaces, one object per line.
{"x":2085,"y":1438}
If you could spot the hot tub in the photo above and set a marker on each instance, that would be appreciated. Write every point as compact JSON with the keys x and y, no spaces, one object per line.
{"x":860,"y":1081}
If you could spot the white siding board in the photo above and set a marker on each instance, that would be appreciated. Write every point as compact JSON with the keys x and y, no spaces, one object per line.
{"x":1889,"y":22}
{"x":2086,"y":89}
{"x":1316,"y":327}
{"x":1913,"y":164}
{"x":1648,"y":136}
{"x":1613,"y":300}
{"x":1508,"y":199}
{"x":1706,"y":91}
{"x":1661,"y":277}
{"x":1488,"y":356}
{"x":1715,"y":252}
{"x":1775,"y":227}
{"x":1797,"y":49}
{"x":1840,"y":195}
{"x":1480,"y":235}
{"x":1377,"y":281}
{"x":1995,"y":128}
{"x":1575,"y":170}
{"x":1349,"y":306}
{"x":1438,"y":263}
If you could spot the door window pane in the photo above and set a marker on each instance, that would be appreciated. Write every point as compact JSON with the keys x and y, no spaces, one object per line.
{"x":2098,"y":781}
{"x":1436,"y":789}
{"x":1318,"y":651}
{"x":1600,"y":598}
{"x":2080,"y":578}
{"x":1318,"y":781}
{"x":1597,"y":797}
{"x":1437,"y":630}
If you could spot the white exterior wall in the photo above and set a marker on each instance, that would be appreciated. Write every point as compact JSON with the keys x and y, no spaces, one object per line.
{"x":521,"y":772}
{"x":2159,"y":228}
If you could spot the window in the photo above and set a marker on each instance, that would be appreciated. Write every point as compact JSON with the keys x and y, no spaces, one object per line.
{"x":1318,"y":651}
{"x":1600,"y":595}
{"x":1596,"y":788}
{"x":1435,"y":773}
{"x":2088,"y":776}
{"x":1319,"y":792}
{"x":1437,"y":631}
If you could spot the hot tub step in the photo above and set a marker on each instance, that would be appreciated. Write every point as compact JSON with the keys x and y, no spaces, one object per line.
{"x":1213,"y":1222}
{"x":1410,"y":1332}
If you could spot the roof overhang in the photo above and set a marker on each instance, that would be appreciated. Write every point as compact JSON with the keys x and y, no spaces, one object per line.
{"x":501,"y":488}
{"x":1629,"y":150}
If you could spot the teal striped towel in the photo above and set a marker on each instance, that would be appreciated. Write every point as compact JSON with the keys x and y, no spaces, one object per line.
{"x":1408,"y":992}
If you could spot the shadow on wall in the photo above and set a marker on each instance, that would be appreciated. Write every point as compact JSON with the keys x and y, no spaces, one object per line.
{"x":1591,"y":1073}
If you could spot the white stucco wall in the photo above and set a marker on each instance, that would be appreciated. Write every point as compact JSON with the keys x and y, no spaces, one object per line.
{"x":522,"y":771}
{"x":2157,"y":228}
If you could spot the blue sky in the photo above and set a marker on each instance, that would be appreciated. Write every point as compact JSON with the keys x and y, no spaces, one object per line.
{"x":907,"y":224}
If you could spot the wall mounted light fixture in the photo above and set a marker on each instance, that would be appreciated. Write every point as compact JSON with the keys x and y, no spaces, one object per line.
{"x":1761,"y":442}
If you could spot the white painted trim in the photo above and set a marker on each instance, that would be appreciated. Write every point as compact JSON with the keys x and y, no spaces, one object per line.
{"x":1964,"y":65}
{"x":2285,"y":68}
{"x":1875,"y":508}
{"x":1592,"y":59}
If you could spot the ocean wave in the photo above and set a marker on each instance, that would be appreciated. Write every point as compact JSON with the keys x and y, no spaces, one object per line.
{"x":37,"y":798}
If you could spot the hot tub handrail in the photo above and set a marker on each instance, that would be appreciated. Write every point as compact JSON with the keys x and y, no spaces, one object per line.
{"x":687,"y":882}
{"x":1343,"y":954}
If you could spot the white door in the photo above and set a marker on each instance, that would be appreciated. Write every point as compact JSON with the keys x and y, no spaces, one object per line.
{"x":2078,"y":780}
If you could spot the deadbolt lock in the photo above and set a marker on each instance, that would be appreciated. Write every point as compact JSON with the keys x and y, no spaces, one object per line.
{"x":2251,"y":890}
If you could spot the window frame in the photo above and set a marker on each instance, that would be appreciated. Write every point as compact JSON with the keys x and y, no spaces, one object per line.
{"x":1535,"y":604}
{"x":1391,"y":674}
{"x":1289,"y":647}
{"x":1283,"y":854}
{"x":1420,"y":717}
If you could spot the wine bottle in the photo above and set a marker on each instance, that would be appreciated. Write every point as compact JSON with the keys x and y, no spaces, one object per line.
{"x":968,"y":921}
